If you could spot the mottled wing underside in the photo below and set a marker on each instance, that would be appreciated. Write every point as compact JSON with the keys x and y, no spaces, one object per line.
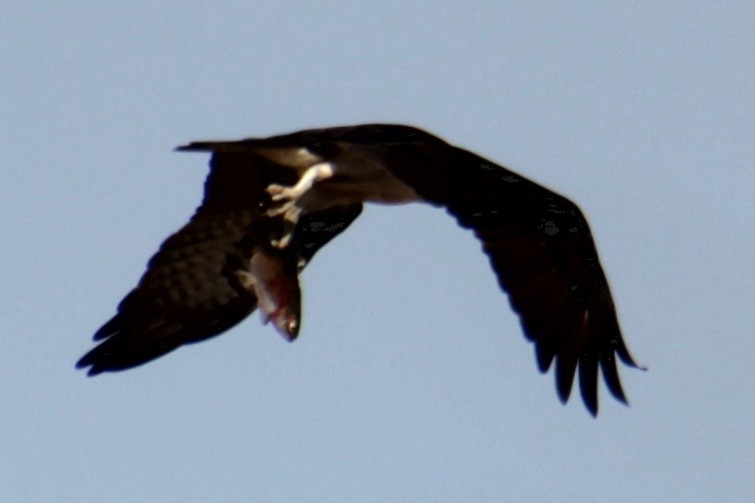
{"x":192,"y":290}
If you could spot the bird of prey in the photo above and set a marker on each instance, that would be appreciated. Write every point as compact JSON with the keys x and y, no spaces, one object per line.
{"x":271,"y":203}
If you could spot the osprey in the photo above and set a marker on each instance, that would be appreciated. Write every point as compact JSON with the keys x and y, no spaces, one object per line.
{"x":270,"y":204}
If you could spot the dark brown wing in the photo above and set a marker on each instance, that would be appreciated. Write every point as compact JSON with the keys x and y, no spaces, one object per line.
{"x":191,"y":290}
{"x":544,"y":257}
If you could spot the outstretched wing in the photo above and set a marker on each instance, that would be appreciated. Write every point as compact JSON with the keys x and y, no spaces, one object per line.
{"x":544,"y":257}
{"x":191,"y":290}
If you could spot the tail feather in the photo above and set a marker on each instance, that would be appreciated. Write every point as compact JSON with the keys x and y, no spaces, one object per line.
{"x":211,"y":146}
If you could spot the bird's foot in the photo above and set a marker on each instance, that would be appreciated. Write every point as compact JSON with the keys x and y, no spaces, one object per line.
{"x":290,"y":219}
{"x":286,"y":200}
{"x":282,"y":198}
{"x":280,"y":192}
{"x":285,"y":197}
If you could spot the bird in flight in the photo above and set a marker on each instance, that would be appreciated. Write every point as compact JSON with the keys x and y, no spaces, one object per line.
{"x":271,"y":203}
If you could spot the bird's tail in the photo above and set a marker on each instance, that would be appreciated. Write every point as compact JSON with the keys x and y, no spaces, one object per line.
{"x":211,"y":146}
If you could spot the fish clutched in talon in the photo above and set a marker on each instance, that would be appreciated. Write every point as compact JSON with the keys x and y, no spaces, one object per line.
{"x":275,"y":282}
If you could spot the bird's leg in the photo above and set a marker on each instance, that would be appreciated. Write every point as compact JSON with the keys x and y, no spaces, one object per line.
{"x":290,"y":219}
{"x":288,"y":199}
{"x":287,"y":196}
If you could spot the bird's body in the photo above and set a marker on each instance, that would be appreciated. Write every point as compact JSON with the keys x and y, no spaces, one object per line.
{"x":271,"y":203}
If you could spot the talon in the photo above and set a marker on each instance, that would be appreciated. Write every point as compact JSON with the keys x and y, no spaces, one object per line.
{"x":274,"y":188}
{"x":284,"y":197}
{"x":279,"y":192}
{"x":280,"y":210}
{"x":282,"y":242}
{"x":290,"y":219}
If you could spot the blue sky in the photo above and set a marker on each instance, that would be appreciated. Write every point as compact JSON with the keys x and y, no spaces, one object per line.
{"x":411,"y":380}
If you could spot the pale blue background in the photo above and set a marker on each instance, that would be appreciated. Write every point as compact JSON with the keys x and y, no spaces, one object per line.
{"x":411,"y":380}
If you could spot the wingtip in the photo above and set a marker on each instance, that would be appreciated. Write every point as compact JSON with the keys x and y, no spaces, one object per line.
{"x":588,"y":381}
{"x":566,"y":369}
{"x":93,"y":371}
{"x":590,"y":398}
{"x":84,"y":362}
{"x":626,"y":357}
{"x":593,"y":410}
{"x":92,"y":362}
{"x":109,"y":328}
{"x":622,"y":399}
{"x":563,"y":389}
{"x":544,"y":356}
{"x":592,"y":407}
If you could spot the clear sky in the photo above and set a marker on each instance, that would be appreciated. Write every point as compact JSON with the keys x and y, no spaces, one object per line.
{"x":411,"y":380}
